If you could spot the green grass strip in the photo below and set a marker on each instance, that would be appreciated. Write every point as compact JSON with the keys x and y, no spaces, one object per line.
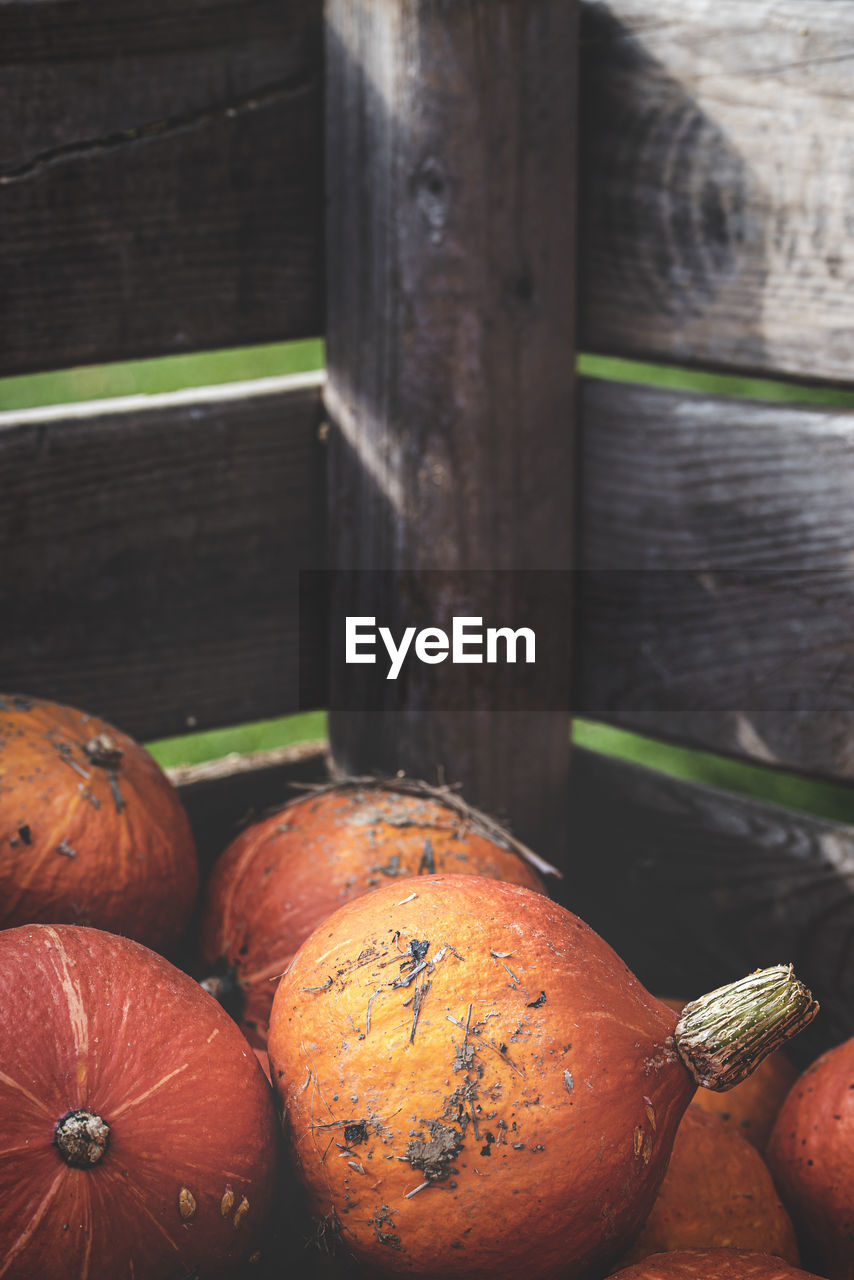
{"x":613,"y":369}
{"x":827,"y":800}
{"x":831,"y":801}
{"x":166,"y":373}
{"x":263,"y":735}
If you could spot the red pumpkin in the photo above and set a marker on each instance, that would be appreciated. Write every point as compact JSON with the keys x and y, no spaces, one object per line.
{"x":811,"y":1154}
{"x":138,"y":1133}
{"x":91,"y":830}
{"x":285,"y":874}
{"x":473,"y":1079}
{"x":713,"y":1264}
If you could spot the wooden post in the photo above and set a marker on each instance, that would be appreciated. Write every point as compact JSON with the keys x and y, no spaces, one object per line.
{"x":450,"y":169}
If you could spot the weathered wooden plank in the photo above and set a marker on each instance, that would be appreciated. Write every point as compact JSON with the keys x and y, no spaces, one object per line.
{"x":151,"y":548}
{"x":160,"y":177}
{"x":451,"y":188}
{"x":717,"y":184}
{"x":716,"y":594}
{"x":714,"y":606}
{"x":694,"y":887}
{"x":146,"y":209}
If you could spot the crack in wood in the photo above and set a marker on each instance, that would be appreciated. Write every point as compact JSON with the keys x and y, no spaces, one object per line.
{"x":258,"y":99}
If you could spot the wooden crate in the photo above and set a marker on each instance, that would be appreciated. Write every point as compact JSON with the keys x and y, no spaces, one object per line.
{"x":162,"y":191}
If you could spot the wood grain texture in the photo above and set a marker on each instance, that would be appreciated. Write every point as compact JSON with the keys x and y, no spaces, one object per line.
{"x":716,"y":599}
{"x":450,"y":255}
{"x":146,"y":548}
{"x":154,"y":153}
{"x":718,"y":140}
{"x":150,"y":553}
{"x":160,"y":178}
{"x":694,"y":887}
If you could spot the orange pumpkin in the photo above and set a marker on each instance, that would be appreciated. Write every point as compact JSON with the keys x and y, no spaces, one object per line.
{"x":811,"y":1155}
{"x":751,"y":1107}
{"x":91,"y":830}
{"x":717,"y":1193}
{"x":713,"y":1264}
{"x":472,"y":1078}
{"x":285,"y":874}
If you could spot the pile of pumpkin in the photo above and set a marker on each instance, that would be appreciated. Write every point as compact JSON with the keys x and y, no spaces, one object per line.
{"x":450,"y":1073}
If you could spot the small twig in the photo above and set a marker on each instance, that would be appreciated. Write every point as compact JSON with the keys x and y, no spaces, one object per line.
{"x":408,"y":1195}
{"x":278,"y":976}
{"x":409,"y":899}
{"x":405,"y":979}
{"x":112,"y":777}
{"x":72,"y":764}
{"x":368,"y":1014}
{"x":420,"y":993}
{"x":502,"y":1053}
{"x":325,"y":987}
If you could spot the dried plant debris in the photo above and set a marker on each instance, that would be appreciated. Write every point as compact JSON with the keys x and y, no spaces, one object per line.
{"x":383,"y":1218}
{"x":355,"y":1132}
{"x":427,"y":865}
{"x":103,"y":751}
{"x":417,"y":952}
{"x":446,"y":795}
{"x":327,"y":1234}
{"x":392,"y":867}
{"x":435,"y":1155}
{"x":324,"y":986}
{"x":458,"y":1102}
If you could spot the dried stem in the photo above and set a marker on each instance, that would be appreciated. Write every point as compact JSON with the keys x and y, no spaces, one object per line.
{"x":81,"y":1138}
{"x":722,"y":1037}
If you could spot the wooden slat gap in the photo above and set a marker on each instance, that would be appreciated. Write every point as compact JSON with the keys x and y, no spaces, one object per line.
{"x":215,"y":393}
{"x":237,"y":763}
{"x":763,"y":389}
{"x":731,"y":790}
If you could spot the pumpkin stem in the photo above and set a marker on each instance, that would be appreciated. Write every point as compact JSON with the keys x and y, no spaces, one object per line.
{"x":226,"y":988}
{"x":82,"y":1138}
{"x":722,"y":1037}
{"x":103,"y":751}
